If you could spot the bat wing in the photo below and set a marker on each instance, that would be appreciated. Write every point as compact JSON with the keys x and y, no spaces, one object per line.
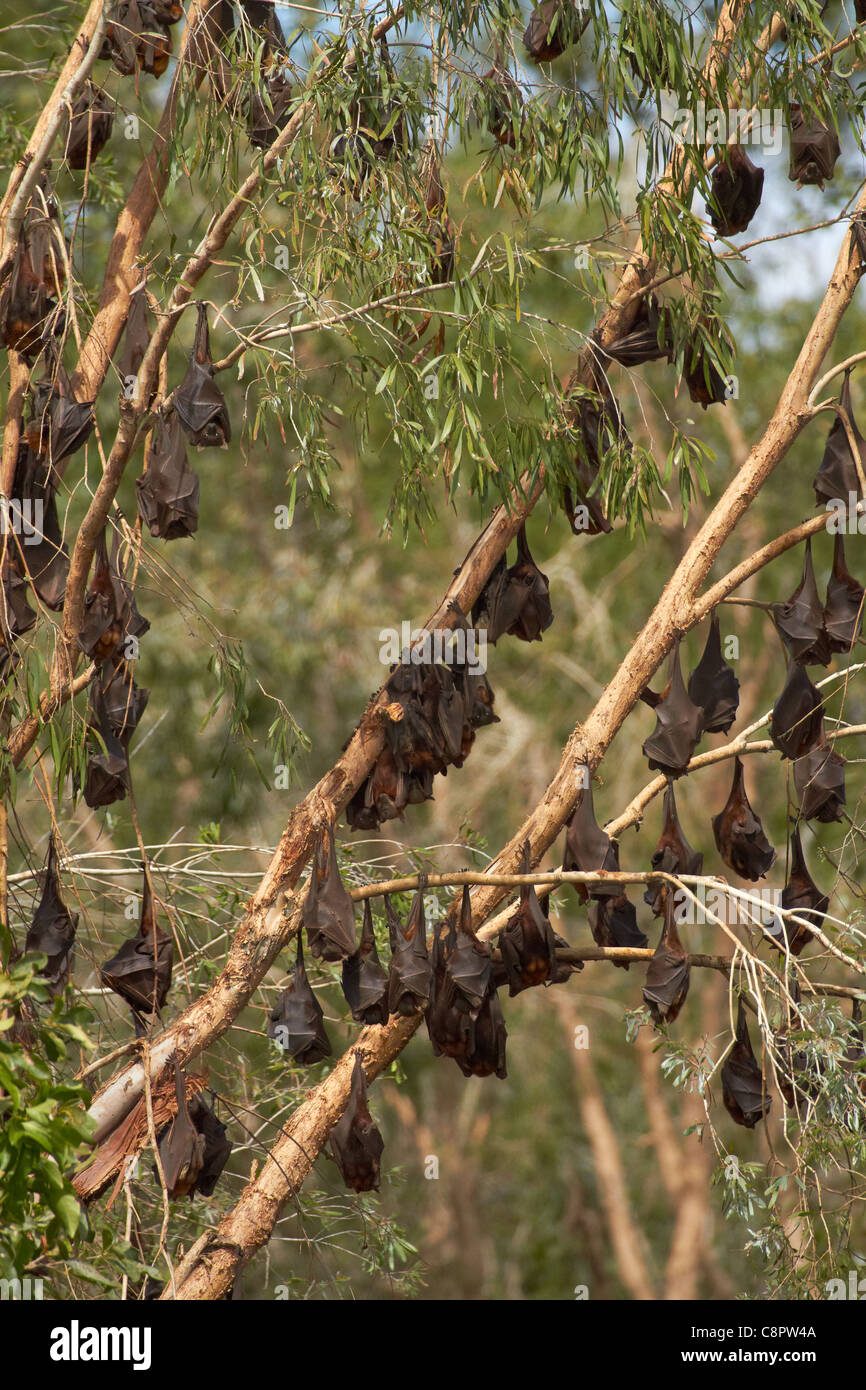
{"x":714,"y":686}
{"x":798,"y":714}
{"x":168,"y":491}
{"x":819,"y":780}
{"x":843,"y":611}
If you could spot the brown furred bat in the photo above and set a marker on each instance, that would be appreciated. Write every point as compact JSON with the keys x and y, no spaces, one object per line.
{"x":515,"y":600}
{"x":737,"y":185}
{"x":269,"y":111}
{"x":181,"y":1148}
{"x":527,"y":942}
{"x":646,"y":341}
{"x":30,"y":308}
{"x":198,"y":400}
{"x":553,"y":27}
{"x":140,"y":972}
{"x":43,"y":554}
{"x":217,"y":1146}
{"x":468,"y":962}
{"x":328,"y":912}
{"x":613,"y":922}
{"x":52,"y":930}
{"x":801,"y":895}
{"x":798,"y":714}
{"x":739,"y":835}
{"x":706,"y":384}
{"x":137,"y":37}
{"x":106,"y":608}
{"x":410,"y":974}
{"x":297,"y":1023}
{"x":588,"y":848}
{"x":679,"y":722}
{"x":59,"y":424}
{"x":501,"y":105}
{"x":713,"y":684}
{"x":16,"y":615}
{"x":486,"y":1056}
{"x":673,"y":854}
{"x":136,"y":337}
{"x":743,"y":1090}
{"x":356,"y":1142}
{"x":365,"y":981}
{"x":814,"y":148}
{"x":819,"y":780}
{"x":89,"y":127}
{"x":168,"y":489}
{"x":107,"y":775}
{"x":837,"y":476}
{"x":800,"y":620}
{"x":667,"y":977}
{"x":843,"y":611}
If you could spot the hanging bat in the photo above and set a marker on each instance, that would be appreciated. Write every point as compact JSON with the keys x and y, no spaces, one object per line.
{"x":262,"y":15}
{"x":713,"y":684}
{"x":269,"y":111}
{"x":297,"y":1023}
{"x":410,"y":974}
{"x":168,"y":12}
{"x":601,"y":427}
{"x":553,"y":27}
{"x":136,"y":338}
{"x":673,"y":854}
{"x":843,"y":611}
{"x":486,"y":1056}
{"x":838,"y":476}
{"x":107,"y":774}
{"x":59,"y":425}
{"x":30,"y":309}
{"x":451,"y":1029}
{"x":355,"y":1140}
{"x":706,"y":384}
{"x":89,"y":127}
{"x":798,"y":714}
{"x":679,"y":723}
{"x":46,"y":561}
{"x":814,"y":148}
{"x":16,"y":615}
{"x":468,"y":963}
{"x":646,"y":341}
{"x":181,"y":1148}
{"x":800,"y":620}
{"x":613,"y":922}
{"x":667,"y":976}
{"x":328,"y":912}
{"x":801,"y":895}
{"x":737,"y":185}
{"x":743,"y":1090}
{"x":140,"y":972}
{"x":589,"y":849}
{"x":515,"y":600}
{"x":198,"y":400}
{"x":125,"y":703}
{"x":136,"y":38}
{"x":527,"y":942}
{"x":217,"y":1146}
{"x":52,"y":930}
{"x":365,"y":981}
{"x":105,"y":608}
{"x":501,"y":105}
{"x":819,"y":780}
{"x":739,"y":835}
{"x":168,"y":489}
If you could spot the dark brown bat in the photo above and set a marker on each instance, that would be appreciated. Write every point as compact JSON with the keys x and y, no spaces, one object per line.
{"x":501,"y":105}
{"x":515,"y":600}
{"x":553,"y":27}
{"x":125,"y":702}
{"x":468,"y":963}
{"x":168,"y":11}
{"x":89,"y":128}
{"x":646,"y":341}
{"x":800,"y":620}
{"x":297,"y":1023}
{"x":449,"y":1027}
{"x":706,"y":384}
{"x":107,"y":774}
{"x":356,"y":1142}
{"x":679,"y":723}
{"x":30,"y":311}
{"x":168,"y":489}
{"x":217,"y":1146}
{"x":365,"y":981}
{"x":527,"y":943}
{"x":46,"y":561}
{"x":802,"y":896}
{"x":667,"y":976}
{"x":600,"y":424}
{"x":269,"y":111}
{"x":673,"y":855}
{"x":743,"y":1090}
{"x":262,"y":16}
{"x":843,"y":611}
{"x":198,"y":400}
{"x":739,"y":835}
{"x":589,"y":849}
{"x":410,"y":974}
{"x":136,"y":37}
{"x":713,"y":684}
{"x":181,"y":1148}
{"x":814,"y":148}
{"x":613,"y":922}
{"x":819,"y":780}
{"x":798,"y":714}
{"x":486,"y":1056}
{"x":16,"y":615}
{"x":136,"y":337}
{"x":52,"y":930}
{"x":328,"y":913}
{"x":140,"y":972}
{"x":838,"y":477}
{"x":737,"y":185}
{"x":59,"y":424}
{"x":105,"y":608}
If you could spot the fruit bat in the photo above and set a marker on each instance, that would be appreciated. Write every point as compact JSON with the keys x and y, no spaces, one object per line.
{"x":107,"y":775}
{"x":838,"y":477}
{"x":679,"y":723}
{"x":819,"y":780}
{"x":181,"y":1148}
{"x":613,"y":922}
{"x":737,"y":185}
{"x":706,"y":384}
{"x":553,"y":27}
{"x":168,"y":489}
{"x":29,"y":301}
{"x":328,"y":912}
{"x":269,"y":111}
{"x":486,"y":1056}
{"x":365,"y":981}
{"x":198,"y":400}
{"x":646,"y":340}
{"x":843,"y":611}
{"x":449,"y":1026}
{"x":217,"y":1146}
{"x":355,"y":1140}
{"x":297,"y":1023}
{"x":527,"y":942}
{"x":515,"y":600}
{"x":410,"y":974}
{"x":600,"y":424}
{"x":136,"y":37}
{"x":136,"y":337}
{"x":16,"y":615}
{"x":673,"y":855}
{"x":739,"y":835}
{"x":743,"y":1090}
{"x":797,"y":715}
{"x":588,"y":849}
{"x":667,"y":977}
{"x":814,"y":148}
{"x":501,"y":104}
{"x":169,"y":11}
{"x":47,"y":561}
{"x":802,"y":896}
{"x":140,"y":972}
{"x":89,"y":127}
{"x":468,"y":963}
{"x":105,"y":608}
{"x":800,"y":620}
{"x":713,"y":685}
{"x":125,"y":703}
{"x":52,"y":930}
{"x":262,"y":15}
{"x":59,"y":424}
